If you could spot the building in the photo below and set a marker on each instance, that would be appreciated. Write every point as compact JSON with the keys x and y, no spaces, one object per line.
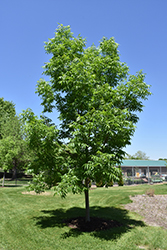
{"x":139,"y":168}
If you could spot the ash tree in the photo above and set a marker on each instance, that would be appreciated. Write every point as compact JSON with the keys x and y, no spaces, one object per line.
{"x":98,"y":102}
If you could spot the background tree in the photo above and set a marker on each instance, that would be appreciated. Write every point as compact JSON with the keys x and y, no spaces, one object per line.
{"x":7,"y":109}
{"x":97,"y":101}
{"x":162,"y":159}
{"x":13,"y":148}
{"x":139,"y":155}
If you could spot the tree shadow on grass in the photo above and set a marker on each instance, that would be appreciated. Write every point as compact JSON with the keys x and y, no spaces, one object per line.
{"x":12,"y":185}
{"x":57,"y":218}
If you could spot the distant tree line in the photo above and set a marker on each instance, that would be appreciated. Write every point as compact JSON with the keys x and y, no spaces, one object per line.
{"x":162,"y":159}
{"x":139,"y":155}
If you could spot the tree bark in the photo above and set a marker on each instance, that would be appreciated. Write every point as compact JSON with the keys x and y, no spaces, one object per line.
{"x":14,"y":176}
{"x":87,"y":200}
{"x":3,"y":182}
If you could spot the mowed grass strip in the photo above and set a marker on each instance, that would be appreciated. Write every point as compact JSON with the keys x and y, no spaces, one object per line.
{"x":36,"y":221}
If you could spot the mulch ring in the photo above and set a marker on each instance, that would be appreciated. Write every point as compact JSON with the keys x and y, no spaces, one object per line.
{"x":95,"y":224}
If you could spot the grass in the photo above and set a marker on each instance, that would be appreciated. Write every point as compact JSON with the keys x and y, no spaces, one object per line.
{"x":35,"y":221}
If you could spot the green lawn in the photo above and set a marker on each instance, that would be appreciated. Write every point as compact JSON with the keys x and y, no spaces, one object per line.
{"x":30,"y":222}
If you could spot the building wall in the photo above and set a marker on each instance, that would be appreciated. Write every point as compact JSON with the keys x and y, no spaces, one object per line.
{"x":139,"y":171}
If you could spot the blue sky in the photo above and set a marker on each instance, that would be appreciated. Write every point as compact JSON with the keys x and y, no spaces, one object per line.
{"x":140,"y":28}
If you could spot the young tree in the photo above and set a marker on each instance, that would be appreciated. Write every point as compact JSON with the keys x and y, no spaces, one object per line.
{"x":97,"y":100}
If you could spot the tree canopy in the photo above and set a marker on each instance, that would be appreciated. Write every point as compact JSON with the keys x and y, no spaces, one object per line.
{"x":97,"y":100}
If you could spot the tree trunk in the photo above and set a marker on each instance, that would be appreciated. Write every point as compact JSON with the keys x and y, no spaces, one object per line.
{"x":3,"y":182}
{"x":14,"y":176}
{"x":87,"y":200}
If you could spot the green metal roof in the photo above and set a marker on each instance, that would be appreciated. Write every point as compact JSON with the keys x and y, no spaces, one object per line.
{"x":143,"y":163}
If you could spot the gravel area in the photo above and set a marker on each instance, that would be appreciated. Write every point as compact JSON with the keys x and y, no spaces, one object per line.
{"x":153,"y":209}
